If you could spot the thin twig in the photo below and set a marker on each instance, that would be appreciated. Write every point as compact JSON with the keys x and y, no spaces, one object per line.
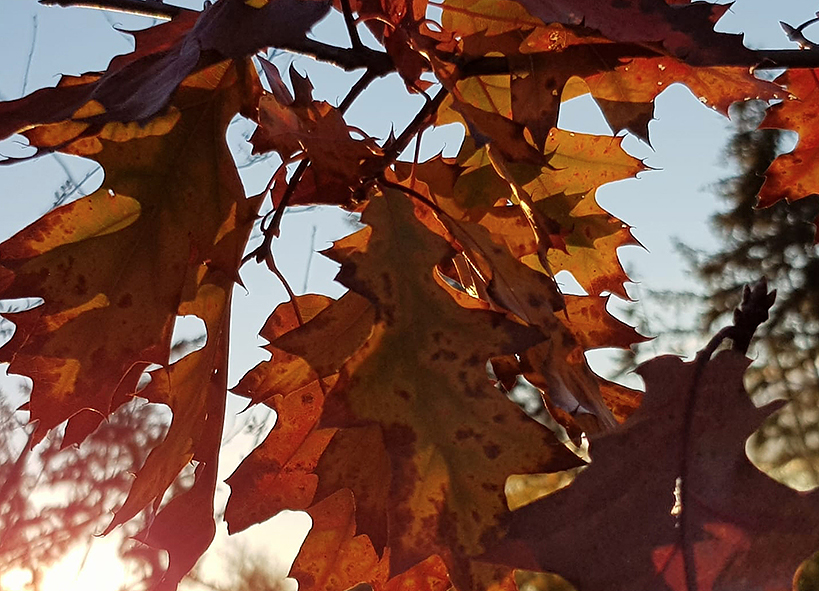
{"x":349,"y":20}
{"x":274,"y":228}
{"x":149,"y":8}
{"x":359,"y":87}
{"x":397,"y":146}
{"x":30,"y":55}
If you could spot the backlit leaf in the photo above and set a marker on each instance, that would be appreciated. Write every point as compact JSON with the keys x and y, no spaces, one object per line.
{"x":433,"y":421}
{"x":793,"y":176}
{"x":736,"y":528}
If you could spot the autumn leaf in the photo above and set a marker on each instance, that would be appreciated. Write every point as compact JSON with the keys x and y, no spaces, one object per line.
{"x":113,"y":278}
{"x":793,"y":176}
{"x":447,"y":467}
{"x":138,"y":86}
{"x":626,"y":93}
{"x":389,"y":430}
{"x":300,"y":127}
{"x":333,"y":558}
{"x":279,"y":473}
{"x":310,"y":339}
{"x":685,"y":31}
{"x":735,"y":528}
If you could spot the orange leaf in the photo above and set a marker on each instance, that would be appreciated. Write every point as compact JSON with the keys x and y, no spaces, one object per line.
{"x":794,"y":175}
{"x":277,"y":475}
{"x":114,"y":267}
{"x":332,"y":557}
{"x":448,"y":464}
{"x":316,"y":350}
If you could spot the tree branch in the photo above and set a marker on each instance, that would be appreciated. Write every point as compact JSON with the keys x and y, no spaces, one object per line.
{"x":149,"y":8}
{"x":347,"y":59}
{"x":397,"y":146}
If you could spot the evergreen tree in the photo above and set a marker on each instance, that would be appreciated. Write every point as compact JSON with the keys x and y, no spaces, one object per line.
{"x":777,"y":243}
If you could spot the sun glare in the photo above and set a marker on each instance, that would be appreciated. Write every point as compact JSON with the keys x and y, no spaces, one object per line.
{"x":79,"y":570}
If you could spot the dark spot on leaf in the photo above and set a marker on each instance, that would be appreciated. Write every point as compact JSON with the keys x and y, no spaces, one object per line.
{"x":464,"y":433}
{"x":491,"y":450}
{"x":534,"y":301}
{"x":403,"y":394}
{"x":473,"y":360}
{"x":386,"y":284}
{"x":81,"y":288}
{"x":126,"y":301}
{"x":499,"y":418}
{"x":397,"y":435}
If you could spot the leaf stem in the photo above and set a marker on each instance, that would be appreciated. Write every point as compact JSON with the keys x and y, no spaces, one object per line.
{"x":392,"y":151}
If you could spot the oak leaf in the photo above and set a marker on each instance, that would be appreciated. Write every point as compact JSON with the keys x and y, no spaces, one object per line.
{"x":447,"y":466}
{"x":114,"y":267}
{"x":685,"y":32}
{"x":139,"y":85}
{"x":626,"y":93}
{"x":793,"y":176}
{"x":301,"y":127}
{"x":734,"y":527}
{"x":333,"y":557}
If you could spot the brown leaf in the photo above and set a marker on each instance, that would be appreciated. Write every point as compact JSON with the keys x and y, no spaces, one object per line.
{"x":114,"y":267}
{"x":736,"y":528}
{"x":139,"y":86}
{"x":588,"y":320}
{"x":332,"y":557}
{"x":356,"y":458}
{"x":685,"y":32}
{"x":447,"y":465}
{"x":315,"y":130}
{"x":278,"y":474}
{"x":794,"y":175}
{"x":626,"y":93}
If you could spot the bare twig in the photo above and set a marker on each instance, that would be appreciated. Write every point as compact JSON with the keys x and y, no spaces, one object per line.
{"x":359,"y":87}
{"x":149,"y":8}
{"x":397,"y":146}
{"x":796,"y":34}
{"x":349,"y":20}
{"x":30,"y":54}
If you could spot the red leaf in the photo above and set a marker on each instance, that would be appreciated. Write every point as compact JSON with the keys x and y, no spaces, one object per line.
{"x":736,"y":527}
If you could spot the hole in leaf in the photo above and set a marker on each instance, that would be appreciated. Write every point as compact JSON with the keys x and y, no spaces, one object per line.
{"x":7,"y":327}
{"x":522,"y":489}
{"x":189,"y":335}
{"x":676,"y":508}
